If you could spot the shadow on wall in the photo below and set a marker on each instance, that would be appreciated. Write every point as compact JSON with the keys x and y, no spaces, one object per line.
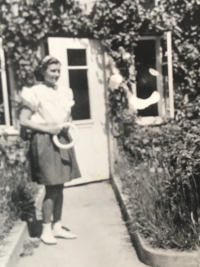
{"x":98,"y":54}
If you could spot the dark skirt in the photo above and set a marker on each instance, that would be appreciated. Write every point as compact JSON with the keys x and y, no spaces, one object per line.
{"x":50,"y":165}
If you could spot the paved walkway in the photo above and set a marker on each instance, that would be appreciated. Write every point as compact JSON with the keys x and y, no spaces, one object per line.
{"x":91,"y":211}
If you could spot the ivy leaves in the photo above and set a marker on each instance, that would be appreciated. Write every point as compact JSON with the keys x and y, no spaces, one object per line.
{"x":115,"y":23}
{"x":183,"y":19}
{"x":23,"y":26}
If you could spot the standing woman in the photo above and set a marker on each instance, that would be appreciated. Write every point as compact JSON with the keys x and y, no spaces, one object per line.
{"x":46,"y":107}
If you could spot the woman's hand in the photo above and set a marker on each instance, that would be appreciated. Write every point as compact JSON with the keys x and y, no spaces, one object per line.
{"x":65,"y":129}
{"x":25,"y":121}
{"x":53,"y":128}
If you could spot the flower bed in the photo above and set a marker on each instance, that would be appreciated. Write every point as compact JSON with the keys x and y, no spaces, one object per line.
{"x":161,"y":181}
{"x":16,"y":191}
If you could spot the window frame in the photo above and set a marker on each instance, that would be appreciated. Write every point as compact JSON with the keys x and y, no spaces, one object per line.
{"x":160,"y":87}
{"x":170,"y":73}
{"x":81,"y":67}
{"x":4,"y":88}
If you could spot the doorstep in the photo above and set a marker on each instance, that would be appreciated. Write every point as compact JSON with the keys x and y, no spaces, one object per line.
{"x":147,"y":254}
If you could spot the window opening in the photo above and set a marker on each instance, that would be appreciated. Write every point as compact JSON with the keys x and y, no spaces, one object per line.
{"x":78,"y":82}
{"x":146,"y":83}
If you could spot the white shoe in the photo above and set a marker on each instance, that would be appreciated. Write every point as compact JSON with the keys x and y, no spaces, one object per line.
{"x":47,"y":235}
{"x":58,"y":231}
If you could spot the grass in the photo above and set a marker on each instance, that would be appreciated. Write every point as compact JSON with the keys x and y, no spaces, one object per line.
{"x":159,"y":205}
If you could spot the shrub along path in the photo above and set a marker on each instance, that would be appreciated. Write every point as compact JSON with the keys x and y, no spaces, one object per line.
{"x":91,"y":211}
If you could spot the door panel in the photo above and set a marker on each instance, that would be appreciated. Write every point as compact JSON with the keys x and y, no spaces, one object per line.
{"x":82,"y":68}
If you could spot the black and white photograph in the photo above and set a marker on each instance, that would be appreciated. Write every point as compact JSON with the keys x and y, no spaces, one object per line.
{"x":99,"y":133}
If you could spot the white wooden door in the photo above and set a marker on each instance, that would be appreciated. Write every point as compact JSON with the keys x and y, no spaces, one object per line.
{"x":82,"y":70}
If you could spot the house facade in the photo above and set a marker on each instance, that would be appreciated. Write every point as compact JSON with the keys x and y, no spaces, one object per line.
{"x":84,"y":70}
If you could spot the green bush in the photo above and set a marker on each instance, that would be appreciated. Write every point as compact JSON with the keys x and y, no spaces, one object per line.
{"x":15,"y":188}
{"x":160,"y":207}
{"x":162,"y":182}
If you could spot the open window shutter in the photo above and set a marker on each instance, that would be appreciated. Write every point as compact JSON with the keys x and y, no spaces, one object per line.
{"x":167,"y":75}
{"x":5,"y":106}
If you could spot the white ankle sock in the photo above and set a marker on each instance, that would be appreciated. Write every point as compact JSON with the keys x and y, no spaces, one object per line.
{"x":47,"y":235}
{"x":57,"y":225}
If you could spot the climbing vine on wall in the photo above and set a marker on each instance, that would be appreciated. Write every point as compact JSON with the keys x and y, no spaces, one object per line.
{"x":121,"y":24}
{"x":25,"y":27}
{"x":183,"y":19}
{"x":116,"y":23}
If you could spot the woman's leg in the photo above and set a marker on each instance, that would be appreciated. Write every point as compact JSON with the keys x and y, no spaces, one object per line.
{"x":58,"y":204}
{"x":57,"y":214}
{"x":48,"y":203}
{"x":47,"y":210}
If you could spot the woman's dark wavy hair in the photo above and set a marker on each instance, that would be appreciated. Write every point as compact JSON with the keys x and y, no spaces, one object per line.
{"x":43,"y":65}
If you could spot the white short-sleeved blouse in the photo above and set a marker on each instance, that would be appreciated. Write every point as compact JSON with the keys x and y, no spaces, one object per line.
{"x":49,"y":105}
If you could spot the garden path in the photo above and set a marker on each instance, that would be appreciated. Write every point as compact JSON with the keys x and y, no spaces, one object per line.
{"x":92,"y":212}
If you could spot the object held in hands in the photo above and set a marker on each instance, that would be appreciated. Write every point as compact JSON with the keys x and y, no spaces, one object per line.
{"x":66,"y":146}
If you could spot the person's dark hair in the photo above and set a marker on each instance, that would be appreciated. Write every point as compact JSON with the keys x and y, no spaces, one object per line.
{"x":144,"y":77}
{"x":43,"y":65}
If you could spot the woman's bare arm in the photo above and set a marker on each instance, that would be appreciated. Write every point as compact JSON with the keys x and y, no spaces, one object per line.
{"x":25,"y":121}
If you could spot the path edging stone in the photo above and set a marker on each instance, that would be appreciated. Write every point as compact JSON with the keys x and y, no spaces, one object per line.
{"x":14,"y":242}
{"x":146,"y":254}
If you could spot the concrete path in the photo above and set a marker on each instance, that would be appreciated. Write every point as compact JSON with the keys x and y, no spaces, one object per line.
{"x":92,"y":212}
